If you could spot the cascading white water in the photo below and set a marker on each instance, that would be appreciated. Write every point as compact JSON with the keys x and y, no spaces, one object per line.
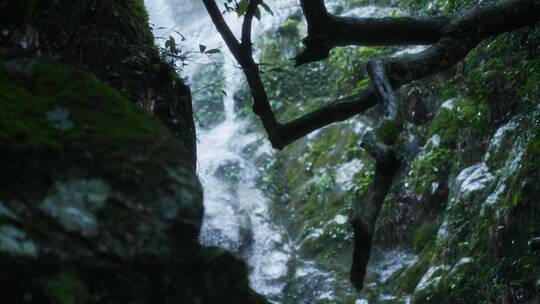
{"x":236,"y":212}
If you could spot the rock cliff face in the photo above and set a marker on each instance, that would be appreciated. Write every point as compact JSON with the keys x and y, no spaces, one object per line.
{"x":99,"y":201}
{"x":455,"y":226}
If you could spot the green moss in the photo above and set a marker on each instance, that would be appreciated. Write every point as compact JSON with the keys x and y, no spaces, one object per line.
{"x":407,"y":279}
{"x":423,"y":236}
{"x":349,"y":65}
{"x":130,"y":16}
{"x":289,"y":27}
{"x":304,"y":177}
{"x":389,"y":131}
{"x":301,"y":161}
{"x":446,"y":6}
{"x":460,"y":117}
{"x":430,"y":169}
{"x":56,"y":110}
{"x":457,"y":133}
{"x":496,"y":240}
{"x":133,"y":19}
{"x":460,"y":285}
{"x":118,"y":31}
{"x":353,"y":150}
{"x":67,"y":288}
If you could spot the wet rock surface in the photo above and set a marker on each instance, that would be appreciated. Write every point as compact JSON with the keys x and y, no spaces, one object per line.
{"x":99,"y":200}
{"x":77,"y":227}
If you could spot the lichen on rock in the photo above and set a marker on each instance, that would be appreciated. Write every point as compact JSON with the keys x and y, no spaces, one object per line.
{"x":74,"y":203}
{"x":99,"y":200}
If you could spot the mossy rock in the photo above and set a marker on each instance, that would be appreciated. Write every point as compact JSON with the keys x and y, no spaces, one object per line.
{"x":99,"y":202}
{"x":63,"y":113}
{"x":110,"y":39}
{"x":459,"y":121}
{"x":92,"y":162}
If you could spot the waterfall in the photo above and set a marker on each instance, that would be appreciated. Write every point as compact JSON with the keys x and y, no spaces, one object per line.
{"x":236,"y":212}
{"x":237,"y":215}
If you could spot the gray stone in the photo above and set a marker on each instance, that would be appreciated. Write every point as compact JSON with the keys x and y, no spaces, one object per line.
{"x":16,"y":242}
{"x":73,"y":204}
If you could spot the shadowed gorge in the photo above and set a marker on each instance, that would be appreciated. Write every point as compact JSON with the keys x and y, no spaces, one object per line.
{"x":288,"y":152}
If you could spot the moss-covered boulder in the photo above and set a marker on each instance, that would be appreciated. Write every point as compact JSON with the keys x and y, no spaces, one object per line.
{"x":98,"y":203}
{"x":110,"y":39}
{"x":82,"y":153}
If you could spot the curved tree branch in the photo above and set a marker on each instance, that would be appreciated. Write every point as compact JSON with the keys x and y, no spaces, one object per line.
{"x":453,"y":37}
{"x":340,"y":110}
{"x":489,"y":18}
{"x":246,"y":25}
{"x":363,"y":221}
{"x":383,"y":88}
{"x":243,"y":54}
{"x":222,"y":27}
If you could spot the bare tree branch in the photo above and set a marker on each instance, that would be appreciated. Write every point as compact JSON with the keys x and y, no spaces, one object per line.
{"x":340,"y":110}
{"x":326,"y":31}
{"x":242,"y":53}
{"x":383,"y":88}
{"x":366,"y":214}
{"x":223,"y":28}
{"x":246,"y":25}
{"x":453,"y":37}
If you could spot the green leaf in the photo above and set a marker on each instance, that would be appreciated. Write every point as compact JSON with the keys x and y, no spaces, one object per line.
{"x":224,"y":93}
{"x":267,"y":8}
{"x":179,"y":34}
{"x":277,"y":70}
{"x":213,"y":51}
{"x":171,"y":44}
{"x":257,"y":13}
{"x":202,"y":48}
{"x":242,"y":7}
